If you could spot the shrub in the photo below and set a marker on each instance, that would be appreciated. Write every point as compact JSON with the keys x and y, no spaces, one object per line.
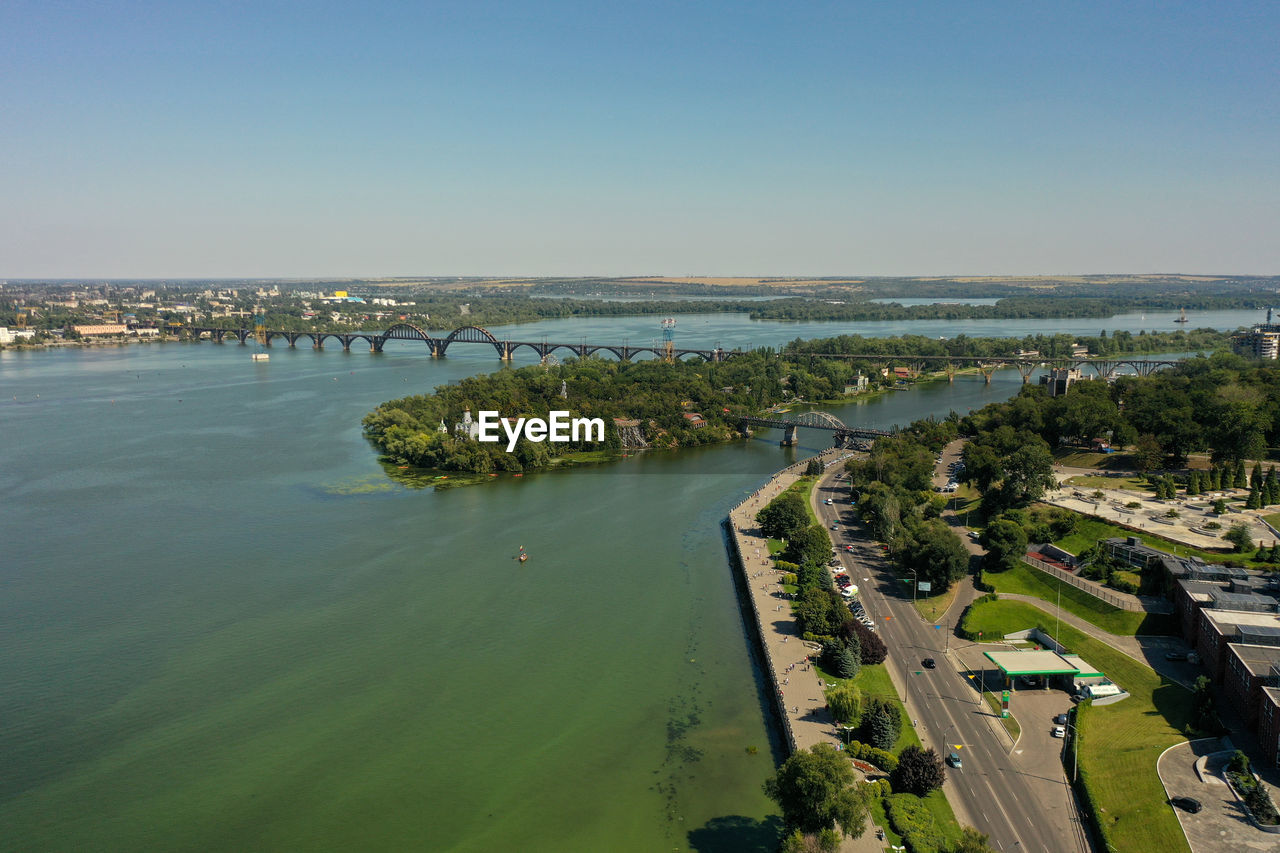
{"x":910,"y":819}
{"x":886,"y":761}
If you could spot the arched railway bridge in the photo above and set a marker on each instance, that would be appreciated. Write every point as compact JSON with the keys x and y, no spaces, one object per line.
{"x":913,"y":365}
{"x":844,"y":435}
{"x":464,"y":335}
{"x":1105,"y":368}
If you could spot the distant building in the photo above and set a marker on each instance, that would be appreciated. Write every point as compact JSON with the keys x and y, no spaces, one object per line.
{"x":695,"y":420}
{"x":1059,"y":379}
{"x":1079,"y":351}
{"x":101,"y":329}
{"x":857,"y":386}
{"x":8,"y":336}
{"x":466,"y":428}
{"x":1262,"y":341}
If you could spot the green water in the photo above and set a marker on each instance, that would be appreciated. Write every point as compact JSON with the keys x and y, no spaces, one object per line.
{"x":223,"y":627}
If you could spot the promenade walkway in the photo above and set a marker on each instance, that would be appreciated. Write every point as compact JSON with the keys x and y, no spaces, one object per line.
{"x":798,"y":690}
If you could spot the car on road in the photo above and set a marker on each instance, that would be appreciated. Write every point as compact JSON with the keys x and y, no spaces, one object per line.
{"x":974,"y":535}
{"x":848,"y":547}
{"x":929,"y":663}
{"x":1189,"y":804}
{"x":1059,"y":731}
{"x":1175,"y":655}
{"x":835,"y":526}
{"x":954,"y":760}
{"x":827,"y":502}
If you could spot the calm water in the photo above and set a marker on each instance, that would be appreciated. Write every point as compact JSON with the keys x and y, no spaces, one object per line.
{"x":223,"y":627}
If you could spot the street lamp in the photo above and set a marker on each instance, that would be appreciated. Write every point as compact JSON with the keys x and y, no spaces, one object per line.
{"x":1075,"y":752}
{"x":915,"y":584}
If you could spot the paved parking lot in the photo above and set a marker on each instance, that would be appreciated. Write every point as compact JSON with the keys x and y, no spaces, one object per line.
{"x":1222,"y":824}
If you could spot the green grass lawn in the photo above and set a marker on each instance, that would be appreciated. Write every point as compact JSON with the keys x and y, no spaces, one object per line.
{"x":1273,"y":519}
{"x":874,"y":680}
{"x":1077,"y":458}
{"x":996,"y":618}
{"x":1010,"y":722}
{"x":882,"y":820}
{"x":932,"y":607}
{"x":1024,"y":580}
{"x":1135,"y":483}
{"x":804,"y":488}
{"x":776,"y":547}
{"x":1121,"y":741}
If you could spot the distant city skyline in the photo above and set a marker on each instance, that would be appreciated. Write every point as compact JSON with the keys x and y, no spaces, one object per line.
{"x":158,"y":140}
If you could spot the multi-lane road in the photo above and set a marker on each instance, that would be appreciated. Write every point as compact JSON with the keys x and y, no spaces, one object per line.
{"x":1017,"y":794}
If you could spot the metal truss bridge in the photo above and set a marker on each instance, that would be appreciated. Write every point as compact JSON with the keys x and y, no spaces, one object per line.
{"x":845,"y":435}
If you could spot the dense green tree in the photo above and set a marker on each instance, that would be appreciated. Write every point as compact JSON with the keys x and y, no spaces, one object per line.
{"x":919,"y":771}
{"x":847,"y":663}
{"x":783,"y":516}
{"x":808,"y":545}
{"x":936,"y":554}
{"x":1006,"y":544}
{"x":1238,"y":535}
{"x":844,"y":700}
{"x":816,"y":789}
{"x":1203,"y":709}
{"x":1256,"y":478}
{"x":1148,"y":452}
{"x":872,"y":647}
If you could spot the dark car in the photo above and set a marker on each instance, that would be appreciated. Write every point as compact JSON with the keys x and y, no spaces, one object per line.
{"x":1189,"y":804}
{"x":1175,"y":655}
{"x":929,"y":663}
{"x":1061,"y":719}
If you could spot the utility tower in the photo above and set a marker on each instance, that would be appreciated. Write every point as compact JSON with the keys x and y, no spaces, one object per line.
{"x":668,"y":339}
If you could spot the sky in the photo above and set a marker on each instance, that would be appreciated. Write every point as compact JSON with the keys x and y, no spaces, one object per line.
{"x":307,"y":139}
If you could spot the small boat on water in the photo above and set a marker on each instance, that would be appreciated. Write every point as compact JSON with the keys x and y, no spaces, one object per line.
{"x":523,"y":556}
{"x":261,"y":356}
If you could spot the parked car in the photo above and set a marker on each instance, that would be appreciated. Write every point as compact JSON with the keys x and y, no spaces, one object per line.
{"x":1190,"y":804}
{"x":1061,"y":719}
{"x":1059,"y":731}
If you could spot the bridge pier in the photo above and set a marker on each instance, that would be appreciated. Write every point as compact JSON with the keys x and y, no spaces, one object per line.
{"x":1025,"y":369}
{"x":950,"y":369}
{"x":506,"y":351}
{"x":788,"y":437}
{"x":986,"y":370}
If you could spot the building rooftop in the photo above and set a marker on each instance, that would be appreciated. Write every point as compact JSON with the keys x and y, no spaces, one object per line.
{"x":1043,"y":662}
{"x":1272,"y":694}
{"x":1257,"y":659}
{"x":1083,"y":668}
{"x":1223,"y":600}
{"x":1241,"y":617}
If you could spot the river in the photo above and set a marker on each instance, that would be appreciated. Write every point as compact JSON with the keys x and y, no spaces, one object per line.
{"x":223,"y":627}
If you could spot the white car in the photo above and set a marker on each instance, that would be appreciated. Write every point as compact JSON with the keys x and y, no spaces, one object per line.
{"x":1059,"y":731}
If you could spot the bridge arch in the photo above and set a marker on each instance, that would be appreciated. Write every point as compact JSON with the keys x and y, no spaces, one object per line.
{"x":472,"y":335}
{"x":592,"y":350}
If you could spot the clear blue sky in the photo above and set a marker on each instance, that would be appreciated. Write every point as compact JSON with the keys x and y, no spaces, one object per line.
{"x":255,"y":138}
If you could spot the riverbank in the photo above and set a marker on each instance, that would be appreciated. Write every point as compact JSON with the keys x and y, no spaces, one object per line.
{"x":794,"y":683}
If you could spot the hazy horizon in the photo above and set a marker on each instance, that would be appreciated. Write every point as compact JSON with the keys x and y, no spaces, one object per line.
{"x":320,"y":140}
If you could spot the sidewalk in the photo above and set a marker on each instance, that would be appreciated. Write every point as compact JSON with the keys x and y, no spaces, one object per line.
{"x":798,"y":690}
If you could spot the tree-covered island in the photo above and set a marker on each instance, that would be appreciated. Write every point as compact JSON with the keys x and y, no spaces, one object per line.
{"x":653,"y":404}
